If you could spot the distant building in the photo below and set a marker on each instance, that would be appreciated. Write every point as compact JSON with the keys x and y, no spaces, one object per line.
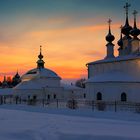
{"x":117,"y":78}
{"x":16,"y":79}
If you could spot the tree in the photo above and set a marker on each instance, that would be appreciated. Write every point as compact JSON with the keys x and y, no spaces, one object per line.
{"x":80,"y":83}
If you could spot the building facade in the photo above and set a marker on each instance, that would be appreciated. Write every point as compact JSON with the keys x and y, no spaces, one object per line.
{"x":117,"y":78}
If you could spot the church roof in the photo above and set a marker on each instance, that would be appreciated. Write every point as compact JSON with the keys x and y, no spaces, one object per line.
{"x":115,"y":59}
{"x":113,"y":76}
{"x":39,"y":73}
{"x":31,"y":85}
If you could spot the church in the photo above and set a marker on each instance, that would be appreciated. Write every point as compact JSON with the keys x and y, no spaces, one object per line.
{"x":41,"y":83}
{"x":117,"y":78}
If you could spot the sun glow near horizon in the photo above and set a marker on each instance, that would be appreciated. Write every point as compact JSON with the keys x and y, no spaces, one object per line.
{"x":65,"y":51}
{"x":71,"y":33}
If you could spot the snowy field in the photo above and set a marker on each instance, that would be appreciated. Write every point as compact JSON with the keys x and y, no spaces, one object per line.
{"x":36,"y":123}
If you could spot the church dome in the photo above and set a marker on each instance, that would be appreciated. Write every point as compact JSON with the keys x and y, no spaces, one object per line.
{"x":39,"y":73}
{"x":135,"y":31}
{"x":126,"y":28}
{"x":17,"y":75}
{"x":120,"y":41}
{"x":109,"y":37}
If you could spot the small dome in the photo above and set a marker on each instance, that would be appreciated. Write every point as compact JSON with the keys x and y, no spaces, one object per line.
{"x":40,"y":56}
{"x":120,"y":42}
{"x":135,"y":32}
{"x":110,"y":37}
{"x":126,"y":29}
{"x":17,"y":75}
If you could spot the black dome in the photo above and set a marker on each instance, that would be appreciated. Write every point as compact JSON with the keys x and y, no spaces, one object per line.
{"x":120,"y":42}
{"x":110,"y":37}
{"x":126,"y":29}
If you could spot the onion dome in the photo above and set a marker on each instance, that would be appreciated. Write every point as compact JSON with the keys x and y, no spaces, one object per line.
{"x":126,"y":28}
{"x":40,"y":62}
{"x":109,"y":37}
{"x":17,"y":75}
{"x":120,"y":41}
{"x":135,"y":31}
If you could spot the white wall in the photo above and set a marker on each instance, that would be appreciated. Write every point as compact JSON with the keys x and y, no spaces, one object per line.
{"x":131,"y":67}
{"x":112,"y":91}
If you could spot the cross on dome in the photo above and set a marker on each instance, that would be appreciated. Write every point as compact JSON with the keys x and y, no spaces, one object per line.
{"x":135,"y":31}
{"x":40,"y":56}
{"x":40,"y":62}
{"x":109,"y":23}
{"x":109,"y":37}
{"x":135,"y":13}
{"x":126,"y":7}
{"x":126,"y":28}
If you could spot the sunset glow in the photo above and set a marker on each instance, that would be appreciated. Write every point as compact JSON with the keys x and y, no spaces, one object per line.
{"x":69,"y":40}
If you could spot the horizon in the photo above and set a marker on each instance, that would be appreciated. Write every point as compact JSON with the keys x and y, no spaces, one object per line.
{"x":71,"y":33}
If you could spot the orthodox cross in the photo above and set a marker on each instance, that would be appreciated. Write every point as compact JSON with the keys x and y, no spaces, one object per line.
{"x":126,"y":7}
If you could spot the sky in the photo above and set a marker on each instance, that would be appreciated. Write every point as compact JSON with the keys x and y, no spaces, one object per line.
{"x":71,"y":32}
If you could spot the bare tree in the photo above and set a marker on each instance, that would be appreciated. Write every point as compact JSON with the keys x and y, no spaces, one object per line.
{"x":80,"y":83}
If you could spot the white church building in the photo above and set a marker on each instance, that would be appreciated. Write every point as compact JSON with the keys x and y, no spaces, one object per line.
{"x":117,"y":78}
{"x":43,"y":83}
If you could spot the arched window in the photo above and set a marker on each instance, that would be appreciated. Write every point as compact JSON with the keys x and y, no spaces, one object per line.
{"x":48,"y":96}
{"x":34,"y":97}
{"x":99,"y":96}
{"x":54,"y":96}
{"x":123,"y":97}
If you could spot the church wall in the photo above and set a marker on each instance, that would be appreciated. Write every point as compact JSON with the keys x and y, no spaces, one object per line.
{"x":131,"y":67}
{"x":113,"y":91}
{"x":49,"y":82}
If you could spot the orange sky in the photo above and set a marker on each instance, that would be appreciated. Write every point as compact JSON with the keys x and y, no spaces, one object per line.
{"x":72,"y":33}
{"x":66,"y":51}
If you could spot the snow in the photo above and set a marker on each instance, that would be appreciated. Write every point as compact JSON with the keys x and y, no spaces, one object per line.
{"x":41,"y":73}
{"x":115,"y":59}
{"x":70,"y":87}
{"x":38,"y":123}
{"x":113,"y":76}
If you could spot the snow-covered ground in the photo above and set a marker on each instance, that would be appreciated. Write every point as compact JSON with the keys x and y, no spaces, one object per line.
{"x":38,"y":123}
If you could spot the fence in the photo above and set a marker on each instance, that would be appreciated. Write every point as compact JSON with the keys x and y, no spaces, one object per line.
{"x":115,"y":106}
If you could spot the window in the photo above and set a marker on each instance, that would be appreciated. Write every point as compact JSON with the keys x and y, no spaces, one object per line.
{"x":48,"y":96}
{"x":28,"y":96}
{"x":84,"y":95}
{"x":99,"y":96}
{"x":123,"y":97}
{"x":34,"y":97}
{"x":54,"y":96}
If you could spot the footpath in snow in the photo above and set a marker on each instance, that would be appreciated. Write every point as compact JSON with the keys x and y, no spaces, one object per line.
{"x":38,"y":123}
